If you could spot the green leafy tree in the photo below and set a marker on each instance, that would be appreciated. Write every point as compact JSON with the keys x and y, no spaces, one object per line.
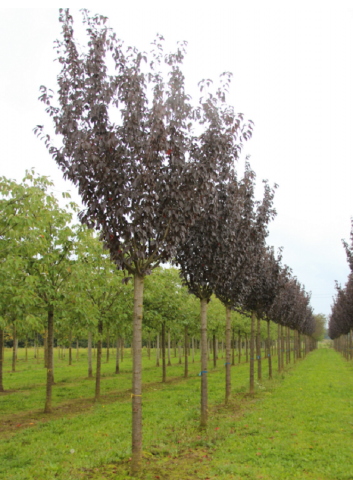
{"x":163,"y":300}
{"x":24,"y":209}
{"x":98,"y":289}
{"x":320,"y":321}
{"x":216,"y":319}
{"x":48,"y":262}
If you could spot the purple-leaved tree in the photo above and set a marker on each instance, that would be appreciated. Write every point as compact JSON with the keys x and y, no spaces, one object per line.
{"x":265,"y":286}
{"x":127,"y":143}
{"x":243,"y":237}
{"x":201,"y":256}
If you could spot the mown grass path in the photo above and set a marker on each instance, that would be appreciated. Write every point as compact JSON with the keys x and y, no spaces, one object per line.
{"x":302,"y":429}
{"x":297,"y":426}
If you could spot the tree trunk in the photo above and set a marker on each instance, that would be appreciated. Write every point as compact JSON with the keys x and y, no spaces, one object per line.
{"x":228,"y":352}
{"x":193,"y":349}
{"x":304,"y":345}
{"x":294,"y":346}
{"x":278,"y":347}
{"x":186,"y":372}
{"x":269,"y":350}
{"x":163,"y":353}
{"x":252,"y":352}
{"x":122,"y":349}
{"x":70,"y":352}
{"x":14,"y":349}
{"x":45,"y":347}
{"x":90,"y":372}
{"x":239,"y":347}
{"x":246,"y":348}
{"x":52,"y":360}
{"x":222,"y":348}
{"x":1,"y":359}
{"x":299,"y":355}
{"x":50,"y":377}
{"x":137,"y":376}
{"x":203,"y":362}
{"x":108,"y":346}
{"x":286,"y":343}
{"x":289,"y":345}
{"x":282,"y":349}
{"x":149,"y":345}
{"x":99,"y":360}
{"x":179,"y":348}
{"x":175,"y":347}
{"x":299,"y":346}
{"x":38,"y":348}
{"x":233,"y":347}
{"x":35,"y":347}
{"x":258,"y":349}
{"x":117,"y":370}
{"x":214,"y":352}
{"x":169,"y":362}
{"x":157,"y":350}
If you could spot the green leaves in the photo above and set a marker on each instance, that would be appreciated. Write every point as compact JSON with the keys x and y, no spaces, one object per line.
{"x":96,"y":291}
{"x":36,"y":242}
{"x":165,"y":299}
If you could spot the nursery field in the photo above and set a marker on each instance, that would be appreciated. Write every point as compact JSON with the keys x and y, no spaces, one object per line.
{"x":297,"y":426}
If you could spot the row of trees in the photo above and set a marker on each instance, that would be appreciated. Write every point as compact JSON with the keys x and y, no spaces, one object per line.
{"x":92,"y":303}
{"x":341,"y":317}
{"x":157,"y":179}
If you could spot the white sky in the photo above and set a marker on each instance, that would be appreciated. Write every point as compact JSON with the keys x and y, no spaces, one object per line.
{"x":292,"y":66}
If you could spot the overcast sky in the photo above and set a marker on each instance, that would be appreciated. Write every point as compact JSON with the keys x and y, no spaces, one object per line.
{"x":292,"y":66}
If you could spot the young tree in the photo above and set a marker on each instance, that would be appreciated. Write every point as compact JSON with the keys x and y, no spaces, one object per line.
{"x":50,"y":267}
{"x":291,"y":308}
{"x":340,"y":319}
{"x":320,"y":320}
{"x":162,"y":304}
{"x":35,"y":245}
{"x":199,"y":257}
{"x":244,"y":229}
{"x":138,"y":176}
{"x":215,"y":324}
{"x":98,"y":290}
{"x":18,"y":234}
{"x":264,"y":289}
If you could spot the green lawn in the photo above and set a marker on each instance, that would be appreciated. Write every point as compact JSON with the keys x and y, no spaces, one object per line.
{"x":297,"y":426}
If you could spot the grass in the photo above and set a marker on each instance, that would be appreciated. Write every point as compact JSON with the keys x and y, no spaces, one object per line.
{"x":297,"y":426}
